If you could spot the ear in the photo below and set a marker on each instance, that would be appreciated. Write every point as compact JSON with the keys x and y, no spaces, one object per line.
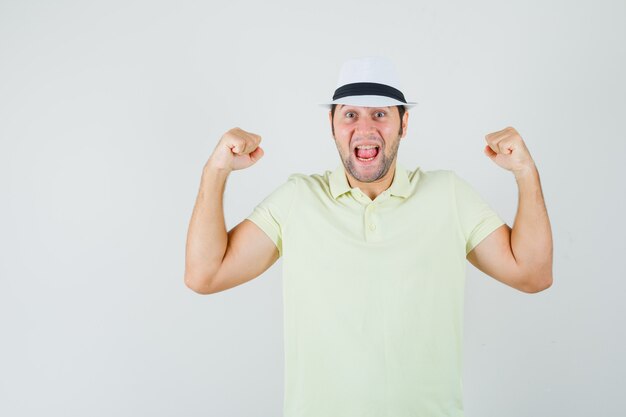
{"x":405,"y":123}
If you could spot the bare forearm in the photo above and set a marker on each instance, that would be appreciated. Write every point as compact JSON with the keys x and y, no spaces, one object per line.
{"x":207,"y":237}
{"x":531,"y":236}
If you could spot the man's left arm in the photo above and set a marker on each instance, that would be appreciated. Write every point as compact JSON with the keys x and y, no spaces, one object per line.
{"x":522,"y":256}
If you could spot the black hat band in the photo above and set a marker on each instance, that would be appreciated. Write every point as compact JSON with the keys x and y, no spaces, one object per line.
{"x":368,"y":89}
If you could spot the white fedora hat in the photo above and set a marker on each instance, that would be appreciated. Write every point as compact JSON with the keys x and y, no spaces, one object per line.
{"x":369,"y":82}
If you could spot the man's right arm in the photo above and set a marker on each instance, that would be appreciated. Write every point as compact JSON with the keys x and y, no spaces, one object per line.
{"x":216,"y":260}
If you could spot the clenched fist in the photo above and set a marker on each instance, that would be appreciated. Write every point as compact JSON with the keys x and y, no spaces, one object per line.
{"x":507,"y":149}
{"x":237,"y":149}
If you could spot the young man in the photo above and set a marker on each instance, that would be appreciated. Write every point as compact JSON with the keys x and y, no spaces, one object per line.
{"x":374,"y":256}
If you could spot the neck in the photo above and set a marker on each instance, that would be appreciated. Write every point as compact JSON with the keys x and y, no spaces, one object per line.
{"x":373,"y":189}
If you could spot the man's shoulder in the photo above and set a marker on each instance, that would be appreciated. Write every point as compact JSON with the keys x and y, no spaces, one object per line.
{"x":312,"y":181}
{"x":434,"y":172}
{"x":318,"y":185}
{"x":429,"y":176}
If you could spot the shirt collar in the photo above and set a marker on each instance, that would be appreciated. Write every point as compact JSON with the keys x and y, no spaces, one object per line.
{"x":400,"y":185}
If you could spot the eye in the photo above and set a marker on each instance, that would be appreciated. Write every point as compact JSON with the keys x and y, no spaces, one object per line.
{"x":380,"y":113}
{"x":350,"y":114}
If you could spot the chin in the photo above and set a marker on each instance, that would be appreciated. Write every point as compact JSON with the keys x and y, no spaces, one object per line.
{"x":368,"y":173}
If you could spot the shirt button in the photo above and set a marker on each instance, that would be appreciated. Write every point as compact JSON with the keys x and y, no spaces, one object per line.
{"x":372,"y":226}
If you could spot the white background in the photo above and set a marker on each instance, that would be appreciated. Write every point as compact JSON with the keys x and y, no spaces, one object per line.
{"x":109,"y":110}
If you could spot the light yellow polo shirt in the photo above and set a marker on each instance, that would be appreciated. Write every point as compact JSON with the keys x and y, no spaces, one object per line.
{"x":373,"y":291}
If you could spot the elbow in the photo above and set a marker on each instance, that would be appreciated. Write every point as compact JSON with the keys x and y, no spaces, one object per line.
{"x":199,"y":285}
{"x":539,"y":284}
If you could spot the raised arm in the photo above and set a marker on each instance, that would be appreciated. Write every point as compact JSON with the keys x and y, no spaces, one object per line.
{"x":214,"y":258}
{"x":520,"y":257}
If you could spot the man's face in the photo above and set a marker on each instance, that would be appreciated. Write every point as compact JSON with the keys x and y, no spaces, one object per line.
{"x":356,"y":126}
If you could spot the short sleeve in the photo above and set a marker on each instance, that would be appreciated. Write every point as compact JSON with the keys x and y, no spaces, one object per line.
{"x":272,"y":213}
{"x":476,"y":218}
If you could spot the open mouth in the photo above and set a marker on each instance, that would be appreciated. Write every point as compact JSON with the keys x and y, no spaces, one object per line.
{"x":366,"y":153}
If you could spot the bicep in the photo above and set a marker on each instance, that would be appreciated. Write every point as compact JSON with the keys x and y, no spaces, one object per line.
{"x":494,"y":256}
{"x":249,"y":253}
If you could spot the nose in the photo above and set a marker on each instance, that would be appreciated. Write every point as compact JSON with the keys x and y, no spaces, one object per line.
{"x":365,"y":126}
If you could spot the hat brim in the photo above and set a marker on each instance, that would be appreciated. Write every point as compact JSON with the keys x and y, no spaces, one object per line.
{"x":369,"y":101}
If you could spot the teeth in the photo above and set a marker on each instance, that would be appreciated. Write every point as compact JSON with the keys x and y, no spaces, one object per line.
{"x":367,"y":147}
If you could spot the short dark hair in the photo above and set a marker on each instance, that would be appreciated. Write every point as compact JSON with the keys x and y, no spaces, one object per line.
{"x":401,"y":111}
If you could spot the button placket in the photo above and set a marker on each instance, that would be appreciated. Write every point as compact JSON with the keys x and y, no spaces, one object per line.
{"x":370,"y":220}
